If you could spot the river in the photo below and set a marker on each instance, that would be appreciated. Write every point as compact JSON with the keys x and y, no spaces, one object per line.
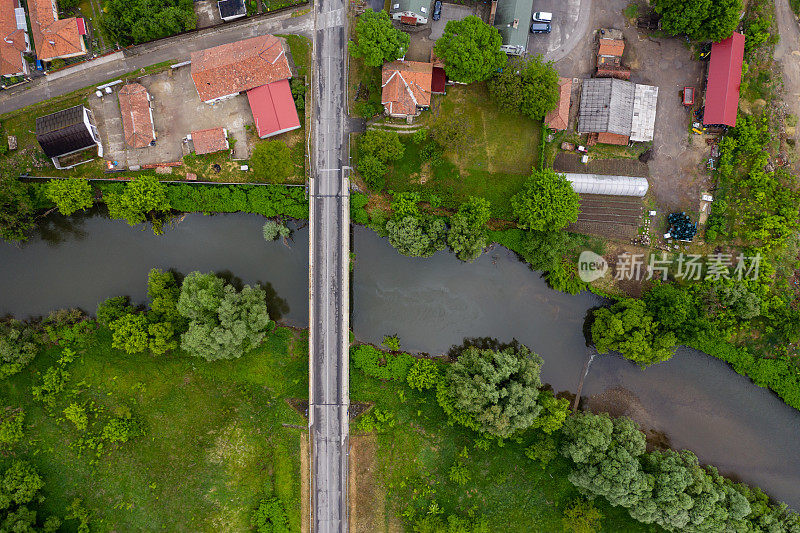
{"x":432,"y":304}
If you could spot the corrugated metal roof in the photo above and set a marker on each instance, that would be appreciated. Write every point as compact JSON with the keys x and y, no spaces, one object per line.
{"x":510,"y":12}
{"x":606,"y":106}
{"x":645,"y":101}
{"x":724,"y":78}
{"x":611,"y":185}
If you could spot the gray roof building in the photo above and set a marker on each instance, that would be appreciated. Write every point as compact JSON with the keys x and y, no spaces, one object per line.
{"x":645,"y":100}
{"x":66,"y":132}
{"x":606,"y":106}
{"x":512,"y":19}
{"x":406,"y":10}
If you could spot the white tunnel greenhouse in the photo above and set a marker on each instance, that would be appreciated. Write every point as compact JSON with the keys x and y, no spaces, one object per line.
{"x":612,"y":185}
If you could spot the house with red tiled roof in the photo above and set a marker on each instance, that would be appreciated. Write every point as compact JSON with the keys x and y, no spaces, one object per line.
{"x":558,"y":118}
{"x":406,"y":87}
{"x":54,"y":38}
{"x":210,"y":140}
{"x":13,"y":39}
{"x":137,"y":116}
{"x":229,"y":69}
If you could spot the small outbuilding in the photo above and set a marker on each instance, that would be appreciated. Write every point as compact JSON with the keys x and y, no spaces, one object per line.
{"x":68,"y":132}
{"x":231,"y":9}
{"x":724,"y":79}
{"x":137,"y":116}
{"x":558,"y":118}
{"x":410,"y":12}
{"x":273,"y":109}
{"x":210,"y":140}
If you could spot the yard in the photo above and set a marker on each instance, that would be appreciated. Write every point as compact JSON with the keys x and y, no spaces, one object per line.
{"x":501,"y":150}
{"x":214,"y":442}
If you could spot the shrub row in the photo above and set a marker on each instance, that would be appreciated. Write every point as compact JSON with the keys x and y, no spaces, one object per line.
{"x":382,"y":365}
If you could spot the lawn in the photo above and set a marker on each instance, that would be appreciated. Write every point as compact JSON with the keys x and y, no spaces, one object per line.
{"x":214,"y":441}
{"x":501,"y":151}
{"x":412,"y":460}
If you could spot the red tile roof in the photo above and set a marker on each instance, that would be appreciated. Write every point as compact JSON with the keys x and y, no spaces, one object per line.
{"x":612,"y":138}
{"x":558,"y":118}
{"x":210,"y":140}
{"x":273,"y":108}
{"x":724,"y":78}
{"x":12,"y":40}
{"x":611,"y":47}
{"x":406,"y":86}
{"x":52,"y":37}
{"x":137,"y":119}
{"x":239,"y":66}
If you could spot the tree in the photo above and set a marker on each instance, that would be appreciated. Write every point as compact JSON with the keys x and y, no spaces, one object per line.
{"x":272,"y":160}
{"x":627,"y":327}
{"x":675,"y":309}
{"x":420,"y":236}
{"x":111,"y":309}
{"x":16,"y":209}
{"x":701,"y":20}
{"x":529,"y":86}
{"x":581,"y":516}
{"x":467,"y":236}
{"x":138,"y":21}
{"x":546,"y":202}
{"x":273,"y":229}
{"x":424,"y":374}
{"x":545,"y":250}
{"x":163,"y":290}
{"x":19,"y":484}
{"x":470,"y":49}
{"x":270,"y":517}
{"x":377,"y":40}
{"x":373,"y":170}
{"x":76,"y":414}
{"x":223,"y":323}
{"x":543,"y":450}
{"x":129,"y":333}
{"x":141,"y":197}
{"x":493,"y":391}
{"x":18,"y":347}
{"x":70,"y":195}
{"x":376,"y":148}
{"x":554,"y":412}
{"x":11,"y":424}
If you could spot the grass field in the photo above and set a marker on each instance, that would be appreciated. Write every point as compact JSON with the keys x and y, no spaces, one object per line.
{"x":412,"y":460}
{"x":500,"y":153}
{"x":214,"y":443}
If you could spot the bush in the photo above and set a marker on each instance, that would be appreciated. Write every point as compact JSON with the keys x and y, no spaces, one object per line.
{"x":267,"y":200}
{"x":424,"y":374}
{"x":18,"y":347}
{"x":376,"y":420}
{"x":270,"y":517}
{"x":76,"y":414}
{"x":581,"y":516}
{"x":113,"y":309}
{"x":382,"y":365}
{"x":53,"y":383}
{"x":273,"y":229}
{"x":542,"y":450}
{"x":11,"y":426}
{"x":129,"y":333}
{"x":70,"y":195}
{"x":120,"y":430}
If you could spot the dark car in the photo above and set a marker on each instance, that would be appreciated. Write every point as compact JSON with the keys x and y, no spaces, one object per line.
{"x":437,"y":10}
{"x":540,"y":27}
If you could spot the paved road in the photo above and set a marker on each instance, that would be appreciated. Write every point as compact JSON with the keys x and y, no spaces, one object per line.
{"x":329,"y":259}
{"x":175,"y":48}
{"x":571,"y":20}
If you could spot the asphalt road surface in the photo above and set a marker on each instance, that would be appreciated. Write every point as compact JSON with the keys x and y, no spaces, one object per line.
{"x":178,"y":48}
{"x":570,"y":21}
{"x":329,"y":259}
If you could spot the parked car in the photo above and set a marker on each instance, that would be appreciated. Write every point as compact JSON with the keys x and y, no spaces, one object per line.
{"x":542,"y":16}
{"x":437,"y":10}
{"x":540,"y":27}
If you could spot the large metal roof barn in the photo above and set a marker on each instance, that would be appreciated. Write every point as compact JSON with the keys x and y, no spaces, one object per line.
{"x":724,"y":78}
{"x":606,"y":106}
{"x":608,"y":185}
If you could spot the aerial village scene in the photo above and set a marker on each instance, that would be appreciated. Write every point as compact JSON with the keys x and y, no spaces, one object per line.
{"x":426,"y":266}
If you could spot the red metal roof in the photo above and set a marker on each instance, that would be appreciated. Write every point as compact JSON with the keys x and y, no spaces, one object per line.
{"x":724,"y":78}
{"x":273,"y":108}
{"x":439,"y":80}
{"x":81,"y":26}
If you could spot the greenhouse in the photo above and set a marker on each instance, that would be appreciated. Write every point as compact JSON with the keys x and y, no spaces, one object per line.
{"x":611,"y":185}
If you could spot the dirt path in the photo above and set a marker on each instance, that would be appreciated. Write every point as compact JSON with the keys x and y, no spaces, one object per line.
{"x":787,"y":53}
{"x":367,"y":496}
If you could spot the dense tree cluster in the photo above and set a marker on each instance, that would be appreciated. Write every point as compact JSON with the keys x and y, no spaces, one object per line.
{"x":668,"y":488}
{"x":467,"y":236}
{"x":20,"y":485}
{"x":627,"y":327}
{"x":377,"y":40}
{"x":413,"y":232}
{"x":470,"y":49}
{"x":16,"y":209}
{"x":376,"y":149}
{"x":70,"y":195}
{"x":142,"y":199}
{"x":528,"y":86}
{"x":701,"y":20}
{"x":547,"y":202}
{"x":138,"y":21}
{"x":19,"y":343}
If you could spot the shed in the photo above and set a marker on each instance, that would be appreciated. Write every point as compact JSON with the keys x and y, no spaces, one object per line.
{"x":210,"y":140}
{"x":273,"y":108}
{"x":558,"y":118}
{"x":608,"y":185}
{"x":137,"y":116}
{"x":724,"y":78}
{"x":645,"y":102}
{"x":606,"y":106}
{"x":512,"y":19}
{"x":231,"y":9}
{"x":68,"y":131}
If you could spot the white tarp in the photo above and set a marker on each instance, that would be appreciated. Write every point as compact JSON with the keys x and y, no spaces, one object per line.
{"x":613,"y":185}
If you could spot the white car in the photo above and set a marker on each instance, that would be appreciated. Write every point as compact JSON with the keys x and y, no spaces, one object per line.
{"x":542,"y":16}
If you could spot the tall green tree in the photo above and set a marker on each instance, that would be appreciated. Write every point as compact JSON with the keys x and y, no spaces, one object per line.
{"x":420,"y":236}
{"x":18,"y":346}
{"x":377,"y":40}
{"x":467,"y":236}
{"x":16,"y":209}
{"x":138,"y":21}
{"x":701,"y":20}
{"x":526,"y":85}
{"x":70,"y":195}
{"x":223,"y":323}
{"x":493,"y":391}
{"x":676,"y":309}
{"x":470,"y":49}
{"x":546,"y":202}
{"x":376,"y":148}
{"x":142,"y":198}
{"x":628,"y":328}
{"x":272,"y":160}
{"x":545,"y":250}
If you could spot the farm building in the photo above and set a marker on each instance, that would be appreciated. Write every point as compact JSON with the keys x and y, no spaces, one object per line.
{"x":67,"y":132}
{"x":558,"y":118}
{"x":137,"y":116}
{"x":617,"y":111}
{"x":609,"y":59}
{"x":724,"y":78}
{"x":210,"y":140}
